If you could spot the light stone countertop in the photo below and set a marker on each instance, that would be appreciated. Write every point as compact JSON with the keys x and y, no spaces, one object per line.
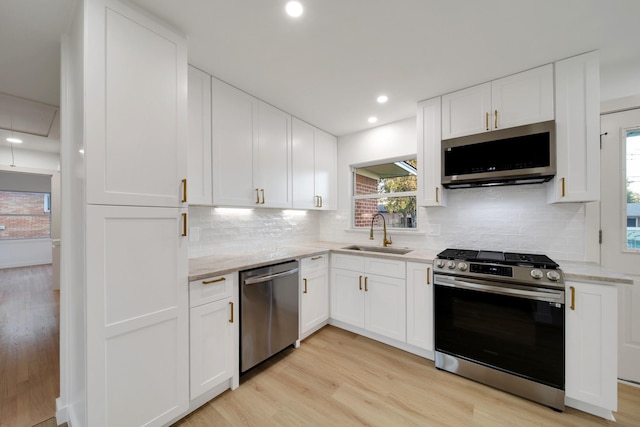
{"x":216,"y":265}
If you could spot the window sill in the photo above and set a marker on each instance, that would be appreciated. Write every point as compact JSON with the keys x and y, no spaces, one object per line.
{"x":395,"y":231}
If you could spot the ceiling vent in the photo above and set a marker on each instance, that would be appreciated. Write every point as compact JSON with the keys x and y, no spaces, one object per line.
{"x":26,"y":116}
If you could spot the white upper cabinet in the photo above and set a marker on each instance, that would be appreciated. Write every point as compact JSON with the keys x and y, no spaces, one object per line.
{"x":577,"y":130}
{"x":314,"y":167}
{"x":234,"y":127}
{"x":430,"y":190}
{"x":272,"y":158}
{"x":251,"y":150}
{"x":515,"y":100}
{"x":135,"y":110}
{"x":199,"y":153}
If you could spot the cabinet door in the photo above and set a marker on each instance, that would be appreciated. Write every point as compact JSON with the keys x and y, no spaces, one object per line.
{"x":419,"y":305}
{"x":326,"y":158}
{"x":430,"y":191}
{"x":314,"y":304}
{"x":385,"y":306}
{"x":234,"y":119}
{"x":577,"y":130}
{"x":211,"y":345}
{"x":385,"y":267}
{"x":137,"y":315}
{"x":303,"y":165}
{"x":466,"y":111}
{"x":272,"y":157}
{"x":591,"y":344}
{"x":199,"y":153}
{"x":347,"y":293}
{"x":135,"y":108}
{"x":522,"y":98}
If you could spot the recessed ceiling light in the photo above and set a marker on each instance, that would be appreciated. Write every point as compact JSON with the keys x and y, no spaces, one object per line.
{"x":382,"y":99}
{"x":294,"y":9}
{"x":372,"y":119}
{"x":14,"y":140}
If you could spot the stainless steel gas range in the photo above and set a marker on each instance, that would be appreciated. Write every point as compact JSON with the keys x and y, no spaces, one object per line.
{"x":499,"y":320}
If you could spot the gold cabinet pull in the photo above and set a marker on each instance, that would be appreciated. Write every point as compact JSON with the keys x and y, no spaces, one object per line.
{"x":184,"y":190}
{"x":320,"y":201}
{"x":573,"y":298}
{"x":208,"y":282}
{"x":366,"y":284}
{"x":437,"y":194}
{"x":184,"y":224}
{"x":305,"y":286}
{"x":262,"y":192}
{"x":563,"y":188}
{"x":486,"y":120}
{"x":231,"y":318}
{"x":257,"y":196}
{"x":495,"y":119}
{"x":360,"y":283}
{"x":428,"y":275}
{"x":315,"y":258}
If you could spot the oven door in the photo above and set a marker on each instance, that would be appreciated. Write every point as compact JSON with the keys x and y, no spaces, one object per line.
{"x":515,"y":329}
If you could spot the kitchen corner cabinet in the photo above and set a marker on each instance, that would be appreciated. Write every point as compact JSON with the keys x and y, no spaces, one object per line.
{"x":135,"y":109}
{"x":314,"y":294}
{"x":514,"y":100}
{"x":591,"y":348}
{"x":577,"y":130}
{"x":430,"y":190}
{"x":251,"y":150}
{"x":314,"y":167}
{"x":199,"y":152}
{"x":420,"y":305}
{"x":369,"y":293}
{"x":214,"y":333}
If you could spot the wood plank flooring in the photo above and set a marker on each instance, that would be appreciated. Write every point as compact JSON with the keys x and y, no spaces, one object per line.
{"x":29,"y":346}
{"x":337,"y":378}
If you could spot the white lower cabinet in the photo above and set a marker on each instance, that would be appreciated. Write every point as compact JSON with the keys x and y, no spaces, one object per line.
{"x":420,"y":306}
{"x":362,"y":296}
{"x":591,"y":360}
{"x":213,"y":334}
{"x":314,"y":294}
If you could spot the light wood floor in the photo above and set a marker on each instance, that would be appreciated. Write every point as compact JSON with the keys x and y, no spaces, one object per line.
{"x":29,"y":343}
{"x":337,"y":378}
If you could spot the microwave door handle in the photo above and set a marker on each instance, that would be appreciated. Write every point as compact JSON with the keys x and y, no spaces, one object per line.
{"x":537,"y":294}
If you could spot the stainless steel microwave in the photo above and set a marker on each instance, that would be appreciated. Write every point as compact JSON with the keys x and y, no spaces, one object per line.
{"x":518,"y":155}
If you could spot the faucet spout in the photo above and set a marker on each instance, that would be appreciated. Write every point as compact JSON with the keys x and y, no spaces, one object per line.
{"x":385,"y":241}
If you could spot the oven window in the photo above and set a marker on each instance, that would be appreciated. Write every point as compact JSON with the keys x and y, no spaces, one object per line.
{"x":516,"y":335}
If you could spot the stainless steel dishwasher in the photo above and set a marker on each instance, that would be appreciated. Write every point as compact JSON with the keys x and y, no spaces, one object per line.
{"x":268,"y":312}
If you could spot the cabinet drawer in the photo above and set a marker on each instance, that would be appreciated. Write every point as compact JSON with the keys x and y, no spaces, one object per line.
{"x":317,"y":262}
{"x":347,"y":262}
{"x":210,"y":289}
{"x":385,"y":267}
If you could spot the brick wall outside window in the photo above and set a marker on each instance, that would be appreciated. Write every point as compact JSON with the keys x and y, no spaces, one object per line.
{"x":23,"y":216}
{"x":365,"y":208}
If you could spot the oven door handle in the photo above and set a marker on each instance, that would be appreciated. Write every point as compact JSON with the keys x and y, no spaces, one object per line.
{"x":537,"y":294}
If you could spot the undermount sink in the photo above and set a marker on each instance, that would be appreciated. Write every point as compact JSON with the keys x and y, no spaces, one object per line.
{"x":397,"y":251}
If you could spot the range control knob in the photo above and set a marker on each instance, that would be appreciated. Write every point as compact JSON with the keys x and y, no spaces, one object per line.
{"x":440,"y":263}
{"x":537,"y":274}
{"x":462,"y":266}
{"x":553,"y":275}
{"x":451,"y":265}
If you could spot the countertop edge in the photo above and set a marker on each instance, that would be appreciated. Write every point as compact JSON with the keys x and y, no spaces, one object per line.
{"x":200,"y":268}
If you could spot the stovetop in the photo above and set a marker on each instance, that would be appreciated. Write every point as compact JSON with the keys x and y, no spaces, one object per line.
{"x":507,"y":258}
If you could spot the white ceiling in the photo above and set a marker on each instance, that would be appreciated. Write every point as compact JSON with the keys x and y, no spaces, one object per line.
{"x":328,"y":66}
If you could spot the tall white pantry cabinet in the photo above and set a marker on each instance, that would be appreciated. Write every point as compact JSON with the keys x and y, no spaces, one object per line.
{"x":135,"y":122}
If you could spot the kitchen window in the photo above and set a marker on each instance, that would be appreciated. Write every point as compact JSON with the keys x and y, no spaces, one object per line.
{"x":388,"y":188}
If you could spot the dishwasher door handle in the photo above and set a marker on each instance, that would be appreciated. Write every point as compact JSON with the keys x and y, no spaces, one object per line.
{"x":262,"y":279}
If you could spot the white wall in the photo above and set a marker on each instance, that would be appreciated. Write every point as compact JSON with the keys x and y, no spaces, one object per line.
{"x":620,"y":81}
{"x":26,"y":160}
{"x":216,"y":231}
{"x":515,"y":218}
